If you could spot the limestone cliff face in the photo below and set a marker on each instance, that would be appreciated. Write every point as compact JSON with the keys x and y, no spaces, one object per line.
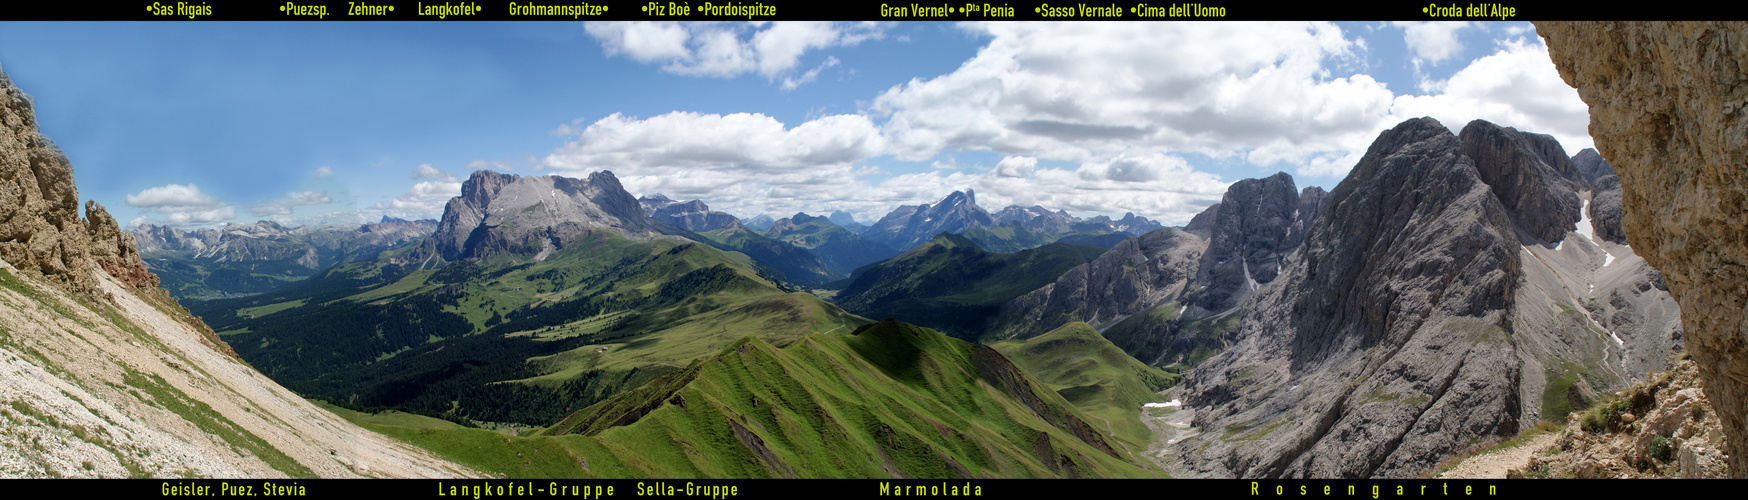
{"x":1249,"y":240}
{"x":1605,"y":209}
{"x":1666,"y":109}
{"x":40,"y":228}
{"x":1523,"y":171}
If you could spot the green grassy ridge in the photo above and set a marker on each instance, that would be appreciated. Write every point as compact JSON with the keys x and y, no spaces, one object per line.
{"x":384,"y":334}
{"x":1093,"y":374}
{"x":951,"y":284}
{"x":891,"y":399}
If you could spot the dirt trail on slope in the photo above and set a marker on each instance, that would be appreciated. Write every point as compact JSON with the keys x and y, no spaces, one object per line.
{"x":1493,"y":465}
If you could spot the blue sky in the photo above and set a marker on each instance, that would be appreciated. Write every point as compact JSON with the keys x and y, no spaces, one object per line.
{"x":206,"y":123}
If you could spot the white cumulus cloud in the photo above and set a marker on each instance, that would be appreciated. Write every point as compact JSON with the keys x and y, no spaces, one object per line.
{"x":283,"y":206}
{"x":179,"y":205}
{"x":726,"y":50}
{"x":1081,"y":91}
{"x":171,"y":195}
{"x":734,"y":142}
{"x":424,"y":200}
{"x":1433,"y":41}
{"x":426,"y":171}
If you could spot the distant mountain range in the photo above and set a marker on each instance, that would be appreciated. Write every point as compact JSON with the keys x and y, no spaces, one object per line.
{"x":246,"y":259}
{"x":911,"y":225}
{"x":594,"y":278}
{"x":841,"y":249}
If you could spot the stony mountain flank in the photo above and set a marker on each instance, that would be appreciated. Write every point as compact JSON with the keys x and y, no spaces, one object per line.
{"x":1427,"y":309}
{"x":101,"y":375}
{"x":1171,"y":295}
{"x":1666,"y":108}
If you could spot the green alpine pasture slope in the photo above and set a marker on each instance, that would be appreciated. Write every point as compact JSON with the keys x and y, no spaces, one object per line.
{"x":1094,"y":375}
{"x":510,"y":338}
{"x":886,"y":400}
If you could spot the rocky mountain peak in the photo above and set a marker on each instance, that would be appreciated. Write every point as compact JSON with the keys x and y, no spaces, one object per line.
{"x":760,"y":222}
{"x":1530,"y":174}
{"x":498,"y":213}
{"x":966,"y":197}
{"x":911,"y":225}
{"x":40,"y":228}
{"x":843,"y":218}
{"x":653,"y":202}
{"x":1348,"y":355}
{"x":1591,"y":164}
{"x":1249,"y":239}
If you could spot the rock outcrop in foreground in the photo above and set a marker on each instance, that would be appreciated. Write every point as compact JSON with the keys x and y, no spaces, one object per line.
{"x":40,"y":228}
{"x":1667,"y":109}
{"x":1664,"y":428}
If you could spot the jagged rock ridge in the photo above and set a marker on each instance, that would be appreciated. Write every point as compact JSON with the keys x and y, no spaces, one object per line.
{"x":1666,"y":108}
{"x":1591,"y":164}
{"x":908,"y":226}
